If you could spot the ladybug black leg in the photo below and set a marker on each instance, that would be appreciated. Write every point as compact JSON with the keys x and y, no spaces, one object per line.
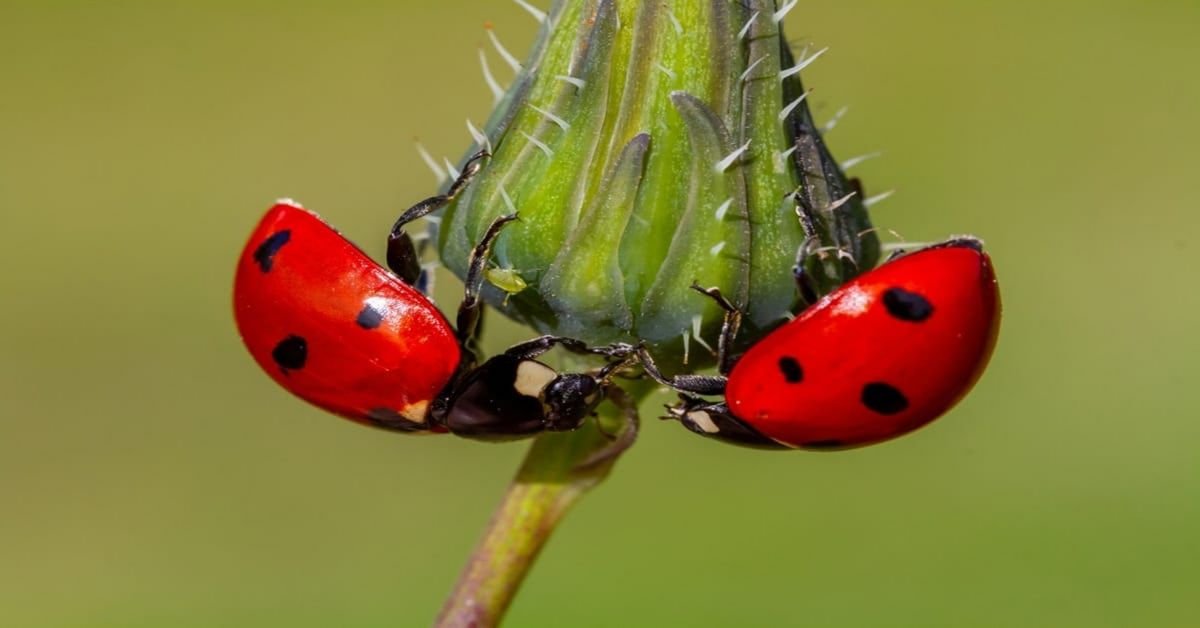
{"x":804,"y":212}
{"x":730,"y":325}
{"x":469,"y":309}
{"x":808,"y":292}
{"x":804,"y":283}
{"x":811,"y":253}
{"x":402,"y":256}
{"x":712,"y":385}
{"x":531,"y":349}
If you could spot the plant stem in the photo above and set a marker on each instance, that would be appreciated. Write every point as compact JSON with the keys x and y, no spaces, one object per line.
{"x":558,"y":470}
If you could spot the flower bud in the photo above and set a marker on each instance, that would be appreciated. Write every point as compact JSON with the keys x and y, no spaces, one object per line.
{"x":647,"y":146}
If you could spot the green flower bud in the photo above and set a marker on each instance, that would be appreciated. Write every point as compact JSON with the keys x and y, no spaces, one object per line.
{"x":647,"y":147}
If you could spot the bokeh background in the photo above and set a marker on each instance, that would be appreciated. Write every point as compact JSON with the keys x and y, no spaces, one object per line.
{"x":152,"y":476}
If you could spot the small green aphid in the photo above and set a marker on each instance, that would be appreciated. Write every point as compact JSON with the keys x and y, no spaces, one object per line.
{"x":507,"y":279}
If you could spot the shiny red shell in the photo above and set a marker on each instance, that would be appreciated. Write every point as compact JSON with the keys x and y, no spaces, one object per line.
{"x":884,"y":354}
{"x":336,"y":329}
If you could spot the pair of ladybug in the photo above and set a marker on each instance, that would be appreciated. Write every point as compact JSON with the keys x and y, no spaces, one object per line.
{"x":880,"y":356}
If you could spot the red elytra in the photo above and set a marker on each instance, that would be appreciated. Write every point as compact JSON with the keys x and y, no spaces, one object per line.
{"x":884,"y":354}
{"x":880,"y":356}
{"x":336,"y":329}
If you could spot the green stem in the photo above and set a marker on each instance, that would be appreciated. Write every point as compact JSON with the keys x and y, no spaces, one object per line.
{"x":558,"y":470}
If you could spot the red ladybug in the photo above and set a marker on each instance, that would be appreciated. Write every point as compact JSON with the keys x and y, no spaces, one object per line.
{"x":880,"y":356}
{"x":338,"y":330}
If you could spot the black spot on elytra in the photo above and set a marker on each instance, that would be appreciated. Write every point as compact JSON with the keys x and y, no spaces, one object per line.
{"x":824,"y":444}
{"x":389,"y":419}
{"x":790,"y":367}
{"x":369,"y":317}
{"x":291,"y":353}
{"x":907,"y":306}
{"x":264,"y":255}
{"x":884,"y":398}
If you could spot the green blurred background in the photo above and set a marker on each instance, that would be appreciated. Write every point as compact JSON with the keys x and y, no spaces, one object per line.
{"x":152,"y":476}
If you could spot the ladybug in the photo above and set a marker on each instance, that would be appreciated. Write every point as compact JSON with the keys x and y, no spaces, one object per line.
{"x":880,"y":356}
{"x":338,"y":330}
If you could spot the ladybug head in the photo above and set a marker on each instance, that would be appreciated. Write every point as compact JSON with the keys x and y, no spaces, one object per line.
{"x":569,"y":399}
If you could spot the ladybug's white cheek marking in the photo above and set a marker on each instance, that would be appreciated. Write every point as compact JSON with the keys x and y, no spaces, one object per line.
{"x":853,"y":301}
{"x":701,"y":420}
{"x":533,"y":377}
{"x":416,"y":412}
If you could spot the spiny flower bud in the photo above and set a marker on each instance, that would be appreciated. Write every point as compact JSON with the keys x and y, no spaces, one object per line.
{"x":647,"y":146}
